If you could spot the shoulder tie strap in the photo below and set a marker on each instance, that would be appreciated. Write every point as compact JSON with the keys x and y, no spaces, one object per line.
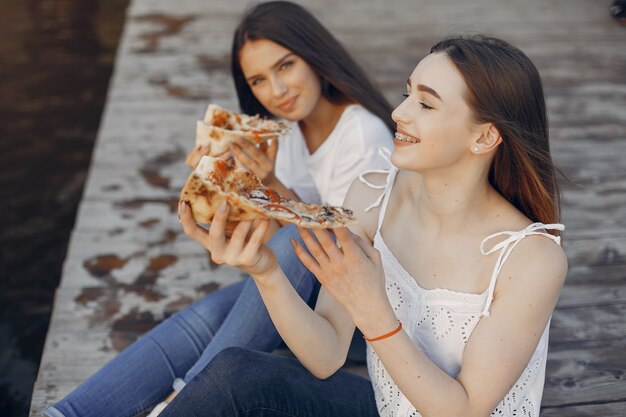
{"x":506,"y":247}
{"x":385,"y":154}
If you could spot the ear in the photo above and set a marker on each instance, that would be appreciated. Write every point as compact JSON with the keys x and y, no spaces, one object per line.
{"x":488,"y":141}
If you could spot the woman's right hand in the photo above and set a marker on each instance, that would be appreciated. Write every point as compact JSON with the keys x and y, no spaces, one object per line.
{"x":260,"y":160}
{"x":194,"y":156}
{"x":243,"y":249}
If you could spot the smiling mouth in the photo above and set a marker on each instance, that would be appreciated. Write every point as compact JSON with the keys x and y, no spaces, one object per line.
{"x":288,"y":104}
{"x":406,"y":138}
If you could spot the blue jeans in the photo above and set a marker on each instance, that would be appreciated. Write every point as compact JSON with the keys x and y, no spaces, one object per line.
{"x":182,"y":345}
{"x":243,"y":383}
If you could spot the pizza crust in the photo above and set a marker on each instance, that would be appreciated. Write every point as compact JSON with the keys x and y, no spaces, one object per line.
{"x":221,"y":127}
{"x":215,"y":181}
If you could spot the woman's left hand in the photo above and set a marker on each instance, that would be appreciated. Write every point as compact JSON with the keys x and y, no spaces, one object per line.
{"x":260,"y":160}
{"x":350,"y":269}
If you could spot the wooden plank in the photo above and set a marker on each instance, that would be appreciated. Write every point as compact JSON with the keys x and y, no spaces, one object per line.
{"x":597,"y":250}
{"x":593,"y":294}
{"x":585,"y":372}
{"x":129,"y":264}
{"x":614,"y":274}
{"x":596,"y":206}
{"x":603,"y":322}
{"x":615,"y":409}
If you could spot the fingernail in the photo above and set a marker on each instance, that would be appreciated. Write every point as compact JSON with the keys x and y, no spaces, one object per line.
{"x":222,"y":207}
{"x":293,"y":242}
{"x":183,"y":207}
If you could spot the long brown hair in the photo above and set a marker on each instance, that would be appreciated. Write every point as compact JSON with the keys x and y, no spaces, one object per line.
{"x":504,"y":88}
{"x":294,"y":28}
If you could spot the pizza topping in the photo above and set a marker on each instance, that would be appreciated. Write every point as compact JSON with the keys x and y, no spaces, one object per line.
{"x":220,"y":128}
{"x":272,"y":195}
{"x":256,"y":195}
{"x":278,"y":207}
{"x":215,"y":180}
{"x":220,"y":119}
{"x":326,"y":213}
{"x":220,"y":171}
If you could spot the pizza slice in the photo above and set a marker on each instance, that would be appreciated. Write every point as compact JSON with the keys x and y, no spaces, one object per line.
{"x":220,"y":127}
{"x":215,"y":180}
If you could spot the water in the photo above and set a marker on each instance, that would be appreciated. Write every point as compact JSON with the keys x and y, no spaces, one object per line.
{"x":56,"y":58}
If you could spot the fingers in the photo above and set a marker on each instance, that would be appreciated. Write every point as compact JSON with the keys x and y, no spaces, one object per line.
{"x":194,"y":156}
{"x":354,"y":245}
{"x":230,"y":228}
{"x":256,"y":239}
{"x":370,"y":251}
{"x":327,"y":244}
{"x":241,"y":250}
{"x":235,"y":245}
{"x":190,"y":226}
{"x":226,"y":156}
{"x":345,"y":240}
{"x":307,"y":260}
{"x":314,"y":247}
{"x":218,"y":225}
{"x":256,"y":159}
{"x":272,"y":149}
{"x":243,"y":158}
{"x":250,"y":149}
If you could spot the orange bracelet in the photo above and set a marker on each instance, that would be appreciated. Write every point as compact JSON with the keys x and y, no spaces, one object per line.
{"x":391,"y":333}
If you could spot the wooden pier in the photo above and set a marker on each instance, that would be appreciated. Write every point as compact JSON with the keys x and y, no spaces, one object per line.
{"x":129,"y":265}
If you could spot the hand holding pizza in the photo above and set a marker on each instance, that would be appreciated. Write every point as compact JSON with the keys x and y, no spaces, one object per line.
{"x":243,"y":249}
{"x":194,"y":156}
{"x":259,"y":159}
{"x":350,"y":269}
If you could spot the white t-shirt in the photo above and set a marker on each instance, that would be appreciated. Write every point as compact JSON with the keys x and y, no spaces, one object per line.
{"x":350,"y":149}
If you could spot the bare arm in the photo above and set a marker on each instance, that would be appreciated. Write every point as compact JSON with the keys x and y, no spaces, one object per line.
{"x":321,"y":342}
{"x":315,"y":337}
{"x":320,"y":338}
{"x":498,"y":350}
{"x":500,"y":347}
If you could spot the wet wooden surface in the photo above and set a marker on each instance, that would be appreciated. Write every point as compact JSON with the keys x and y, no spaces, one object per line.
{"x":129,"y":265}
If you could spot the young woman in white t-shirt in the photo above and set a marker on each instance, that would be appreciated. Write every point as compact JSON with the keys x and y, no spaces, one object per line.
{"x":452,"y":273}
{"x":285,"y":64}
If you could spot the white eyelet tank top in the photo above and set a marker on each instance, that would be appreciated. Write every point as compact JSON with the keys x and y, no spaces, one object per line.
{"x":440,"y":322}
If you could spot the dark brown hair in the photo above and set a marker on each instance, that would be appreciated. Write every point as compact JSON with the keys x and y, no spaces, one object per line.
{"x":504,"y":88}
{"x":293,"y":27}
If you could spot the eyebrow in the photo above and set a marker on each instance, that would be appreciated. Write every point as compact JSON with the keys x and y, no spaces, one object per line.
{"x":275,"y":65}
{"x":424,"y":88}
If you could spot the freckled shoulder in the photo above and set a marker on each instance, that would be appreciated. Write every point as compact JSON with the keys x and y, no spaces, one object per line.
{"x":359,"y":197}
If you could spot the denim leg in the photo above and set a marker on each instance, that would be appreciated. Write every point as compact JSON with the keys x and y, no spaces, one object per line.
{"x":243,"y":383}
{"x":142,"y":374}
{"x":185,"y":343}
{"x":248,"y":324}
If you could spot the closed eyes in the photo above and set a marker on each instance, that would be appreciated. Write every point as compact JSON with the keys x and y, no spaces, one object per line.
{"x":422,"y":104}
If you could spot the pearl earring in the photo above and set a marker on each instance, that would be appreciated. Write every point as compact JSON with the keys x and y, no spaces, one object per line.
{"x":475,"y":148}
